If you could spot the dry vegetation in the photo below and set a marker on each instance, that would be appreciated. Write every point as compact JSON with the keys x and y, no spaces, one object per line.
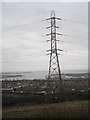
{"x":75,"y":109}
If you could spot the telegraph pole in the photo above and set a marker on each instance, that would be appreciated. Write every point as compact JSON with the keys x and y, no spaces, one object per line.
{"x":54,"y":66}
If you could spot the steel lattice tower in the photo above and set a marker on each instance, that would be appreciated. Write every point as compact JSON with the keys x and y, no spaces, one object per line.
{"x":54,"y":66}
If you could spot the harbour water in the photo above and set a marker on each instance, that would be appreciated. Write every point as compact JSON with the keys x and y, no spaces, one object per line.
{"x":34,"y":74}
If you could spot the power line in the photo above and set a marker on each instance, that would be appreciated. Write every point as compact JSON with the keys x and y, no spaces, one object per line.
{"x":22,"y":33}
{"x":76,"y":30}
{"x":71,"y":13}
{"x":72,"y":21}
{"x":21,"y":25}
{"x":74,"y":37}
{"x":66,"y":35}
{"x":35,"y":15}
{"x":67,"y":20}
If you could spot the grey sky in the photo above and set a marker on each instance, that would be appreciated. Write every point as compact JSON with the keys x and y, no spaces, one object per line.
{"x":23,"y":44}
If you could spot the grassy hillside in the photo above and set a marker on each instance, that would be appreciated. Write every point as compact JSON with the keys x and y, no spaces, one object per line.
{"x":74,"y":109}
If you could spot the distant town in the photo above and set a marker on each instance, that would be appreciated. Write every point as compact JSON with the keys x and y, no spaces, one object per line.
{"x":71,"y":82}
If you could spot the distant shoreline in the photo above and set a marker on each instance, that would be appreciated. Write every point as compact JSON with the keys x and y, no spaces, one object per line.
{"x":40,"y":75}
{"x":62,"y":71}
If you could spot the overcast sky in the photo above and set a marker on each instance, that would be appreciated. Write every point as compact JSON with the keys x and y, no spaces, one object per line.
{"x":24,"y":48}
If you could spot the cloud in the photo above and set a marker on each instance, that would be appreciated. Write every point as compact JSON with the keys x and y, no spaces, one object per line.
{"x":22,"y":31}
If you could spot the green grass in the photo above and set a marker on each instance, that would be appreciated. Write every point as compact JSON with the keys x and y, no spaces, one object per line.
{"x":74,"y":109}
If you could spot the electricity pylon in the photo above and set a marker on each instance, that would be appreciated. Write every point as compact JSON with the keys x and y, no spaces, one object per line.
{"x":54,"y":66}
